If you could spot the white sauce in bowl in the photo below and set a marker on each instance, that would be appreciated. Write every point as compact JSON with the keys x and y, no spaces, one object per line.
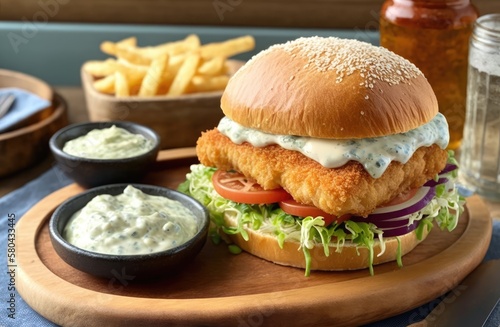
{"x":108,"y":143}
{"x":130,"y":223}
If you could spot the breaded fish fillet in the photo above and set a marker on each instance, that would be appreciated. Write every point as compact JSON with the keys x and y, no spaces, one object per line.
{"x":345,"y":190}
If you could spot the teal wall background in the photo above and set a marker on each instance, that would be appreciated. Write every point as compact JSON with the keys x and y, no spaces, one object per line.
{"x":55,"y":52}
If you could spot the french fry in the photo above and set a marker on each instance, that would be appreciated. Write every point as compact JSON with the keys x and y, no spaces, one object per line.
{"x":110,"y":47}
{"x":121,"y":85}
{"x":189,"y":44}
{"x":134,"y":83}
{"x":208,"y":83}
{"x":106,"y":84}
{"x":174,"y":64}
{"x":133,"y":73}
{"x":131,"y":69}
{"x":153,"y":78}
{"x":133,"y":56}
{"x":228,"y":48}
{"x":110,"y":66}
{"x":212,"y":67}
{"x":100,"y":68}
{"x":183,"y":77}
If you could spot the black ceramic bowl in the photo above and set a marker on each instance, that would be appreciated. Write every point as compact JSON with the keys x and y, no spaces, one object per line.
{"x":95,"y":172}
{"x":138,"y":266}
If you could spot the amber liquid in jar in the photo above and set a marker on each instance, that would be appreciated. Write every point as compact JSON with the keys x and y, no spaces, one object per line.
{"x":434,"y":35}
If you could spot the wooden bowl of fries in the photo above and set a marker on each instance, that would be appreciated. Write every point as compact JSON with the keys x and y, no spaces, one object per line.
{"x":173,"y":88}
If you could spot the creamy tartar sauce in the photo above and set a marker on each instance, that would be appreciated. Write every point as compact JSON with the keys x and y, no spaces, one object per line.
{"x":130,"y":223}
{"x":108,"y":143}
{"x":375,"y":154}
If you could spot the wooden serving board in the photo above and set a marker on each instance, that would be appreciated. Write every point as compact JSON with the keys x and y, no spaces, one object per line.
{"x":222,"y":289}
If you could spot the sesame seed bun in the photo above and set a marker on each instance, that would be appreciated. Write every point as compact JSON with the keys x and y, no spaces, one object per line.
{"x":329,"y":88}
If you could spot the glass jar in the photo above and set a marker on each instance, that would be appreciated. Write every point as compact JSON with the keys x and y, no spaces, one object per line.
{"x":480,"y":153}
{"x":434,"y":35}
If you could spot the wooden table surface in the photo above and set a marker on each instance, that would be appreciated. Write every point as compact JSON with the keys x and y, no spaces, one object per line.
{"x":77,"y":113}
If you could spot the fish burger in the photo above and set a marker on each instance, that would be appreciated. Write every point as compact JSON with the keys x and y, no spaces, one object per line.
{"x":331,"y":156}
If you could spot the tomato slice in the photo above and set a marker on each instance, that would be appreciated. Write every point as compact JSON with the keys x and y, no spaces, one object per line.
{"x":295,"y":208}
{"x":236,"y":187}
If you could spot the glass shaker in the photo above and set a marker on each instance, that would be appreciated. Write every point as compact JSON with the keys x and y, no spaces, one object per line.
{"x":480,"y":153}
{"x":434,"y":35}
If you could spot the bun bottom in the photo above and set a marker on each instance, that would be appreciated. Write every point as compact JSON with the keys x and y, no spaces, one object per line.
{"x":266,"y":246}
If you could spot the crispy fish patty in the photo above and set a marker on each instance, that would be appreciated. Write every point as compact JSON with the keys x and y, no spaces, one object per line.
{"x":345,"y":190}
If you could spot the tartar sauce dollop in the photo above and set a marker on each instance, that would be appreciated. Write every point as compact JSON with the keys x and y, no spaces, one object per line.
{"x":375,"y":154}
{"x":130,"y":223}
{"x":108,"y":143}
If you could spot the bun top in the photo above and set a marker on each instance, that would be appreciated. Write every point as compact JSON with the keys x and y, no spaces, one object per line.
{"x":329,"y":88}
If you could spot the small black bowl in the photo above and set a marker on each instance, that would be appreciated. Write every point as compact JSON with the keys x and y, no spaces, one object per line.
{"x":95,"y":172}
{"x":138,"y":266}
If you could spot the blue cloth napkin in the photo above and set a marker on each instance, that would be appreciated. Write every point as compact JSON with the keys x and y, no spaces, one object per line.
{"x":25,"y":105}
{"x":22,"y":199}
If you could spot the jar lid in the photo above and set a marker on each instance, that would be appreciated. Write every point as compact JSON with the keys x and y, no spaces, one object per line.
{"x":487,"y":29}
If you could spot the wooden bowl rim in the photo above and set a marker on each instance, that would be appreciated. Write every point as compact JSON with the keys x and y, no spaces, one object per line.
{"x":60,"y":107}
{"x":45,"y":90}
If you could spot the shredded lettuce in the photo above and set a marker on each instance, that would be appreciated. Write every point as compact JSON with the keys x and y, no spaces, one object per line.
{"x":399,"y":255}
{"x":444,"y":209}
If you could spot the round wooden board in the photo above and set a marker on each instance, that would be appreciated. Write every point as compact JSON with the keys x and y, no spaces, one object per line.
{"x":221,"y":289}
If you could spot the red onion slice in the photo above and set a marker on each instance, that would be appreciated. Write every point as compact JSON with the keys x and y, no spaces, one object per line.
{"x":433,"y":182}
{"x":390,"y":223}
{"x":449,"y":167}
{"x":423,"y":196}
{"x":394,"y":220}
{"x":390,"y":232}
